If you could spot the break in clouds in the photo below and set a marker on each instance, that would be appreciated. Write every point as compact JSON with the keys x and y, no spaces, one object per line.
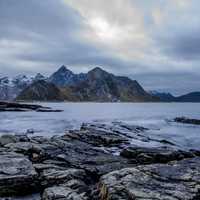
{"x":156,"y":42}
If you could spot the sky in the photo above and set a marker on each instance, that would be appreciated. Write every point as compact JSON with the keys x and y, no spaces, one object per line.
{"x":156,"y":42}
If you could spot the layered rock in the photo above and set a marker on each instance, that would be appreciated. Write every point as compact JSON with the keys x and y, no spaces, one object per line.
{"x":17,"y":174}
{"x":145,"y":155}
{"x":97,"y":162}
{"x":174,"y":181}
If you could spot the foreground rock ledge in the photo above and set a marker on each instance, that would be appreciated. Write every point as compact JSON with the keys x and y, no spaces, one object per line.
{"x":174,"y":181}
{"x":97,"y":162}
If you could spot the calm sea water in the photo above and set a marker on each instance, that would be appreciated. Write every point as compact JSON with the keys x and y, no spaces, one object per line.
{"x":151,"y":115}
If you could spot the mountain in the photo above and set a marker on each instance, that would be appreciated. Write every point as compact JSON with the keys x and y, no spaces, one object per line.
{"x":39,"y":77}
{"x":10,"y":88}
{"x":96,"y":85}
{"x":41,"y":90}
{"x":165,"y":97}
{"x":65,"y":77}
{"x":191,"y":97}
{"x":100,"y":85}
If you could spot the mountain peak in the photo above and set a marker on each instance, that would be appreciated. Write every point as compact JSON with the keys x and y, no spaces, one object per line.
{"x":97,"y":70}
{"x":63,"y":68}
{"x":38,"y":77}
{"x":62,"y":76}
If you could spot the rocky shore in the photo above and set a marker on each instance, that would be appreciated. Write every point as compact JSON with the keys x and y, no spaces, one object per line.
{"x":185,"y":120}
{"x":97,"y":162}
{"x":21,"y":107}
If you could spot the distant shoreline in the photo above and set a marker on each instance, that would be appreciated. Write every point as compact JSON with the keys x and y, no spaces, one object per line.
{"x":105,"y":102}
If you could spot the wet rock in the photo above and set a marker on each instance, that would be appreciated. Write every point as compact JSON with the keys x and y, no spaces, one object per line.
{"x":6,"y":139}
{"x":69,"y":153}
{"x":39,"y":139}
{"x":167,"y":142}
{"x":62,"y":193}
{"x":17,"y":175}
{"x":70,"y":166}
{"x":132,"y":128}
{"x":47,"y":110}
{"x":22,"y":137}
{"x":175,"y":181}
{"x":98,"y":137}
{"x":131,"y":133}
{"x":34,"y":151}
{"x":72,"y":183}
{"x":20,"y":107}
{"x":81,"y":155}
{"x":30,"y":131}
{"x":53,"y":176}
{"x":145,"y":155}
{"x":27,"y":197}
{"x":5,"y":106}
{"x":185,"y":120}
{"x":40,"y":167}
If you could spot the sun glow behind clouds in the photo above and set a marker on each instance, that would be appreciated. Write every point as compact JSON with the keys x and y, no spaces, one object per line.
{"x":104,"y":30}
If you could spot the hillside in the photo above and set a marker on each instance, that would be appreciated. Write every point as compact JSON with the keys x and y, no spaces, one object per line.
{"x":41,"y":91}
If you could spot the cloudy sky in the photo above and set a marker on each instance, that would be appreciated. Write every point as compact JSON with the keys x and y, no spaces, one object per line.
{"x":156,"y":42}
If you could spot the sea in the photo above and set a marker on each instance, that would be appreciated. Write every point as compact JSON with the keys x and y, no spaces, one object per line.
{"x":157,"y":117}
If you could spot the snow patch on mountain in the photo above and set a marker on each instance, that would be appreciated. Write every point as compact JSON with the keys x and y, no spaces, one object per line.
{"x":10,"y":87}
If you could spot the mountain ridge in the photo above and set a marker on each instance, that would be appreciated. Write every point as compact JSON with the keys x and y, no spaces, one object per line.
{"x":168,"y":97}
{"x":95,"y":85}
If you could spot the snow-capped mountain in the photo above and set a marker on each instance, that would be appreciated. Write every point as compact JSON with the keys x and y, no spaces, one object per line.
{"x":96,"y":85}
{"x":10,"y":88}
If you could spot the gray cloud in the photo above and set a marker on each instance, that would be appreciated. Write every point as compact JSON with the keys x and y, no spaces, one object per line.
{"x":156,"y":42}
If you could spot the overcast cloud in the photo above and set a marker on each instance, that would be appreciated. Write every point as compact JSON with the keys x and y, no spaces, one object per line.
{"x":156,"y":42}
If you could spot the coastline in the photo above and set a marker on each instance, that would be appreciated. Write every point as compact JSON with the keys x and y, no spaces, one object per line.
{"x":93,"y":162}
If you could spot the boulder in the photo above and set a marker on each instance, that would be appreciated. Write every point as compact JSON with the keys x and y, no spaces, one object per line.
{"x":173,"y":181}
{"x":17,"y":175}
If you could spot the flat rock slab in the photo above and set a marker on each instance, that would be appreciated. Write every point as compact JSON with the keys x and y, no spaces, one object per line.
{"x":175,"y":181}
{"x":149,"y":155}
{"x":17,"y":174}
